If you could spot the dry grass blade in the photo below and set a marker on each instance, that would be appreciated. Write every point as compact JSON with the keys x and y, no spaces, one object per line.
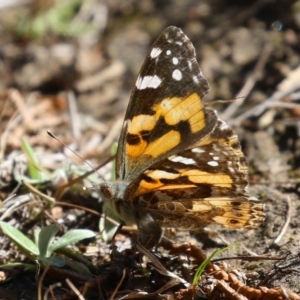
{"x":74,"y":289}
{"x":287,"y":221}
{"x":159,"y":267}
{"x":50,"y":290}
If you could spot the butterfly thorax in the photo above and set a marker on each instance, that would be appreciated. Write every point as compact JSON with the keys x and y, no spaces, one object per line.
{"x":118,"y":197}
{"x":115,"y":196}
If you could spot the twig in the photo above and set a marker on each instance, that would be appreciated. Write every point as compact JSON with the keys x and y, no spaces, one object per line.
{"x":50,"y":290}
{"x":248,"y":258}
{"x":40,"y":283}
{"x":167,"y":286}
{"x":284,"y":105}
{"x":74,"y":289}
{"x":50,"y":200}
{"x":229,"y":292}
{"x":16,"y":201}
{"x":286,"y":87}
{"x":295,"y":96}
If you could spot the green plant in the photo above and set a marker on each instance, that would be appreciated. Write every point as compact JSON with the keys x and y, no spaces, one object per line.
{"x":204,"y":264}
{"x":44,"y":245}
{"x":58,"y":19}
{"x":36,"y":173}
{"x":108,"y":229}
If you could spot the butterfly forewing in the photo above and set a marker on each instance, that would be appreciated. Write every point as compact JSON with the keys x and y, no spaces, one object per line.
{"x":165,"y":113}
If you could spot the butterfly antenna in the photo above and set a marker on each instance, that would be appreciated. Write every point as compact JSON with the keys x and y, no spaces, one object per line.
{"x":85,"y":161}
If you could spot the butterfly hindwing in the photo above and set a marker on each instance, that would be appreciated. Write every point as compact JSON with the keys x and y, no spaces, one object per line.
{"x":202,"y":185}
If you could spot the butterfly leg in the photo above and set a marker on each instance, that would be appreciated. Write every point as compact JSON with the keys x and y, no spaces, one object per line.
{"x":116,"y":232}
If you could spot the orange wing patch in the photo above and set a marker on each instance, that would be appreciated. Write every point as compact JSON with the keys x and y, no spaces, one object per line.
{"x":173,"y":111}
{"x":198,"y":176}
{"x":155,"y":180}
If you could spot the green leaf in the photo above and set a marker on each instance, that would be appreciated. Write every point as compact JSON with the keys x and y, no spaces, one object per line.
{"x":78,"y":267}
{"x":20,"y":178}
{"x":71,"y":237}
{"x":56,"y":261}
{"x":19,"y":238}
{"x":17,"y":266}
{"x":45,"y":238}
{"x":32,"y":162}
{"x":32,"y":159}
{"x":36,"y":234}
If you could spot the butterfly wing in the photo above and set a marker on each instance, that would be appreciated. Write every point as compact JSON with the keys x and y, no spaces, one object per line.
{"x":180,"y":164}
{"x":202,"y":185}
{"x":165,"y":114}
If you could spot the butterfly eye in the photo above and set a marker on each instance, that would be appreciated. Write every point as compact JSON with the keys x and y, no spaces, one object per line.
{"x":107,"y":191}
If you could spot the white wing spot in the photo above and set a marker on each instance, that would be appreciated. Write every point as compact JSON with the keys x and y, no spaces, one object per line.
{"x":231,"y":169}
{"x":177,"y":75}
{"x":190,"y":64}
{"x":184,"y":160}
{"x":178,"y":43}
{"x":168,"y":52}
{"x":213,"y":163}
{"x":198,"y":150}
{"x":216,"y":148}
{"x":195,"y":79}
{"x":223,"y":126}
{"x":148,"y":82}
{"x":211,"y":153}
{"x":162,"y":174}
{"x":216,"y":157}
{"x":175,"y":60}
{"x":155,"y":52}
{"x":125,"y":124}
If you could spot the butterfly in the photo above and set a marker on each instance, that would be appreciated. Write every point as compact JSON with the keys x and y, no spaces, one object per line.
{"x":177,"y":164}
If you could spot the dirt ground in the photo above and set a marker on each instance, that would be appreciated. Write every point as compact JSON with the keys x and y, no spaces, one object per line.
{"x":70,"y":67}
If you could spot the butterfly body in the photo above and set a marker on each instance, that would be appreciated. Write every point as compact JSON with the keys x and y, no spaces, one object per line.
{"x":178,"y":165}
